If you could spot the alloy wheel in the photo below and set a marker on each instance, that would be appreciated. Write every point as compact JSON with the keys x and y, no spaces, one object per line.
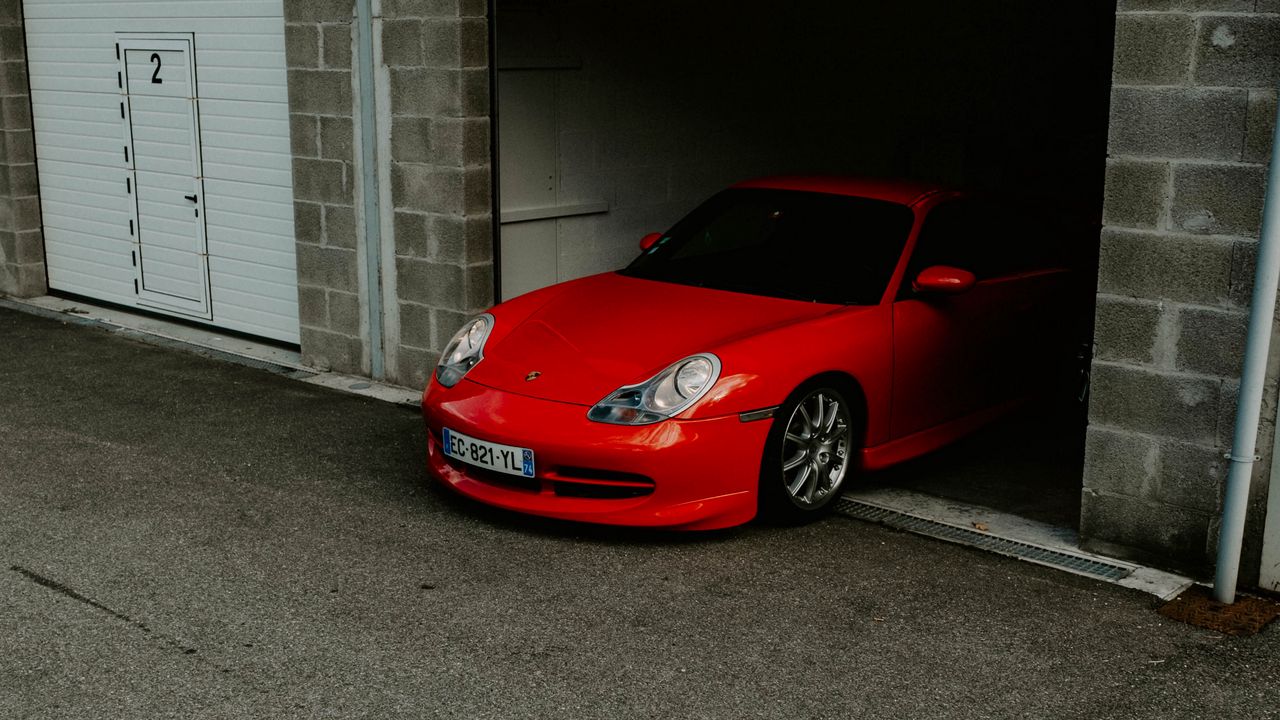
{"x":815,"y":449}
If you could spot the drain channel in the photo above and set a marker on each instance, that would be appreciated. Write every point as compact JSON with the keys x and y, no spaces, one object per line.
{"x":1078,"y":564}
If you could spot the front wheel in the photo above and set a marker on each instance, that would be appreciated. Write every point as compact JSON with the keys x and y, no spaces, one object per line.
{"x":808,"y":455}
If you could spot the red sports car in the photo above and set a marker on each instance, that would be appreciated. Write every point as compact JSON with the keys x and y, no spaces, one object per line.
{"x":785,"y":336}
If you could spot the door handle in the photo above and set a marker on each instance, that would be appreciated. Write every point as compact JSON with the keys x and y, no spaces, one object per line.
{"x":192,"y":198}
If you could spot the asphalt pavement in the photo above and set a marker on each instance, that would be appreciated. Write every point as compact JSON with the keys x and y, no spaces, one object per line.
{"x":186,"y":537}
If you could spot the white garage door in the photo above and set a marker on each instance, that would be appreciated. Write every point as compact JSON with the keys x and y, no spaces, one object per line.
{"x":162,"y":143}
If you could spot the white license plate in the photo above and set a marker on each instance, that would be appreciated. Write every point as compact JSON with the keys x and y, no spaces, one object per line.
{"x":502,"y":458}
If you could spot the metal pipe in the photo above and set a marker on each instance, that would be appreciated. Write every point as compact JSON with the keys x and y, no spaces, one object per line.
{"x":1252,"y":378}
{"x":369,"y":186}
{"x":495,"y":170}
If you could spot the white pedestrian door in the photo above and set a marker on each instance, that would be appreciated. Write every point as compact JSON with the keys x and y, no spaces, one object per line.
{"x":162,"y":163}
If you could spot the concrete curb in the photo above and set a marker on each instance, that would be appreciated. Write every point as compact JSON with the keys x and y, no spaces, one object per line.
{"x":208,"y":343}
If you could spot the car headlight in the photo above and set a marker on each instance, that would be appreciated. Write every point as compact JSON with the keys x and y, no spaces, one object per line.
{"x":464,"y":350}
{"x":662,"y":396}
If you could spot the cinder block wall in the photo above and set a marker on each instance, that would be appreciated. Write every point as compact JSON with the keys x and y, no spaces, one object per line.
{"x":432,"y":104}
{"x":22,"y":272}
{"x":436,"y":54}
{"x":318,"y":43}
{"x":1193,"y":103}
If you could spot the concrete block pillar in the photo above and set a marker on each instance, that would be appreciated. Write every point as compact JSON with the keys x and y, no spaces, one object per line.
{"x":318,"y":44}
{"x":431,"y":153}
{"x":1191,"y":115}
{"x":435,"y":54}
{"x":22,"y":271}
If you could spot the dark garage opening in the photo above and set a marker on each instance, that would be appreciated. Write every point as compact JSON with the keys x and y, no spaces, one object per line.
{"x":614,"y":119}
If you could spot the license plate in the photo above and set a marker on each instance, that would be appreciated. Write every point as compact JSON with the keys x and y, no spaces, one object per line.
{"x":494,"y":456}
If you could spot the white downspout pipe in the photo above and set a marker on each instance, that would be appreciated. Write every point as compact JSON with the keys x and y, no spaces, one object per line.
{"x":1252,"y":378}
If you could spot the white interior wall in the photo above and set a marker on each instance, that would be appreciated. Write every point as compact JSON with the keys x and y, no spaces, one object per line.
{"x":661,"y":104}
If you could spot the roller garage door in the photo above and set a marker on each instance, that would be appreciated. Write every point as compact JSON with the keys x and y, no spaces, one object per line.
{"x":162,"y":144}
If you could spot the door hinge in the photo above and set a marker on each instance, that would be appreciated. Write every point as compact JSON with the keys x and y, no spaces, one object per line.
{"x":133,"y":256}
{"x":117,"y":51}
{"x":135,"y":286}
{"x":126,"y":153}
{"x":119,"y":80}
{"x":130,"y":228}
{"x":121,"y":111}
{"x":128,"y":185}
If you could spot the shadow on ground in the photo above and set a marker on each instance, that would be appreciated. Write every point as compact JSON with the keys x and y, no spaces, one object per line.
{"x":1030,"y":464}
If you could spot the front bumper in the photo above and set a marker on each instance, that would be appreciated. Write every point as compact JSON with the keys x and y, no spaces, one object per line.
{"x":680,"y":474}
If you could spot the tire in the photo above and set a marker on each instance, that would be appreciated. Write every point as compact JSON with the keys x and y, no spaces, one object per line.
{"x":809,"y":459}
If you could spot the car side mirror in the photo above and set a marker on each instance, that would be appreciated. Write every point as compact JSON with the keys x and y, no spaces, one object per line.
{"x":943,"y":279}
{"x":647,"y":241}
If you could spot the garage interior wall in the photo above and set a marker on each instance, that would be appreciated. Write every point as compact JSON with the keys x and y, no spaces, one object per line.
{"x":634,"y":113}
{"x":228,"y":152}
{"x":1191,"y":119}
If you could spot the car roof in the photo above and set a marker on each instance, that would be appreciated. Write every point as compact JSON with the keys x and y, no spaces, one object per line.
{"x":904,"y":192}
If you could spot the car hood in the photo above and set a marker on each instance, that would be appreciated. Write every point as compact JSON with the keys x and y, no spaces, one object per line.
{"x":600,"y":333}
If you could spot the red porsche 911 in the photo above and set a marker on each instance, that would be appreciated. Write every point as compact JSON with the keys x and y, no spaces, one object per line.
{"x":785,"y":336}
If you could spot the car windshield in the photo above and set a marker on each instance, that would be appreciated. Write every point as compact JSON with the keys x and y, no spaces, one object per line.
{"x":783,"y":243}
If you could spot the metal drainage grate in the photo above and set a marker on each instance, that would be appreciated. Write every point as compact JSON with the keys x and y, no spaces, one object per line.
{"x":981,"y":540}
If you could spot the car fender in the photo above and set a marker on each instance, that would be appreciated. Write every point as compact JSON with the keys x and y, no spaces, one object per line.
{"x":760,"y":371}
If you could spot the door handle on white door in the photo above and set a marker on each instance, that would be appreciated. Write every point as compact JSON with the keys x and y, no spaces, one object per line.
{"x":192,"y":198}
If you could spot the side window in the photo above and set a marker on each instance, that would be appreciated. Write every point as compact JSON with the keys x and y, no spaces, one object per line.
{"x":1037,"y":238}
{"x":988,"y":239}
{"x":947,"y":238}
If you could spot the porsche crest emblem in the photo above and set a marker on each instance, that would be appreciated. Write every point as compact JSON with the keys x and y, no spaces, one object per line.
{"x":532,"y":376}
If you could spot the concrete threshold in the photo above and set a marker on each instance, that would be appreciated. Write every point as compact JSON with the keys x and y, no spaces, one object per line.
{"x":980,"y":522}
{"x":208,"y":342}
{"x":112,"y":319}
{"x":357,"y":385}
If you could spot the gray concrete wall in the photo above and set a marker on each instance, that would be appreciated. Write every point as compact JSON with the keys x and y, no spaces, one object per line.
{"x":436,"y":57}
{"x":318,"y":44}
{"x":22,"y":272}
{"x":1192,"y":110}
{"x":432,"y":105}
{"x":671,"y":101}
